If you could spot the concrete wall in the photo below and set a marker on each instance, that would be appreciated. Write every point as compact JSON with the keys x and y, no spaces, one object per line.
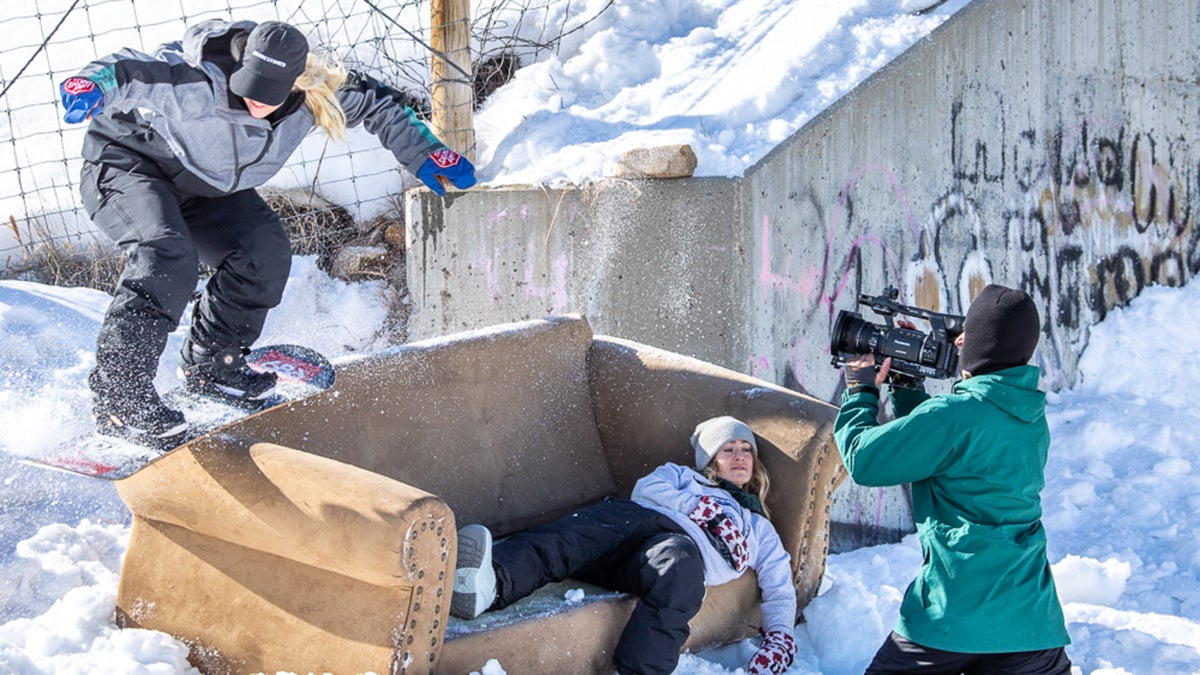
{"x":660,"y":262}
{"x":1045,"y":144}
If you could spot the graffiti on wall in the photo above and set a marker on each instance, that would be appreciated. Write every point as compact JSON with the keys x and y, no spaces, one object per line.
{"x":1082,"y":216}
{"x":538,"y":273}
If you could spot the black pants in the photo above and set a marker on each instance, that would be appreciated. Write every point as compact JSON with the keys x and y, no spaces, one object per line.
{"x":165,"y":233}
{"x":624,"y":547}
{"x":898,"y":655}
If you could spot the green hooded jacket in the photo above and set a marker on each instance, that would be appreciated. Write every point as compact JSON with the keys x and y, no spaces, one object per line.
{"x":976,"y":459}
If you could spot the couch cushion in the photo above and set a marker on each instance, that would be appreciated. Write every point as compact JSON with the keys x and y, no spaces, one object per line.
{"x":497,"y":422}
{"x":544,"y":633}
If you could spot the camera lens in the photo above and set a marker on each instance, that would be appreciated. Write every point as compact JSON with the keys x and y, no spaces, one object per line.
{"x":853,"y":335}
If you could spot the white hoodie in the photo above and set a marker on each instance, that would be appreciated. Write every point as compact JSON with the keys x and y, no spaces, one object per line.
{"x":675,"y":491}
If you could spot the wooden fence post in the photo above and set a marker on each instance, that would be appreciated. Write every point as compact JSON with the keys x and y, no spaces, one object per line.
{"x":453,"y":91}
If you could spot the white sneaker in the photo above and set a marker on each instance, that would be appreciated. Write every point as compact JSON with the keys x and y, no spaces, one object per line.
{"x":474,"y":578}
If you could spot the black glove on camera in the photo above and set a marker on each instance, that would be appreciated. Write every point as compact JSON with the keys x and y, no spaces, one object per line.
{"x":858,"y":375}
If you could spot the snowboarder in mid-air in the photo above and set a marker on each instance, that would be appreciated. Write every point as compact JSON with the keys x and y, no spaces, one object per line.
{"x":176,"y":145}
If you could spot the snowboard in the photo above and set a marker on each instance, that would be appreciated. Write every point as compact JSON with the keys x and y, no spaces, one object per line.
{"x":301,"y":372}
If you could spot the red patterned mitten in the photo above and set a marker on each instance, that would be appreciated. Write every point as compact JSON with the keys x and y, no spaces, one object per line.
{"x":774,"y":655}
{"x":705,"y":510}
{"x":734,"y":542}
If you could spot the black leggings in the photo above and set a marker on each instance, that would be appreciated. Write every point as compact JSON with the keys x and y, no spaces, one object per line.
{"x":624,"y":547}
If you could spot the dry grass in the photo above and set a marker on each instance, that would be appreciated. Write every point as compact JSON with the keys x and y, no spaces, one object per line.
{"x":59,"y":261}
{"x":314,"y":225}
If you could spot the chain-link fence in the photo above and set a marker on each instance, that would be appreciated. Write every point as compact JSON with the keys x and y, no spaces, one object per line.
{"x":47,"y":41}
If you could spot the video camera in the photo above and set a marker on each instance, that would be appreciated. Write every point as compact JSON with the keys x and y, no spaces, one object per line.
{"x":915,"y":354}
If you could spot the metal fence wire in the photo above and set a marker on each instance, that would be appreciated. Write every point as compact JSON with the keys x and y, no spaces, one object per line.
{"x":47,"y":41}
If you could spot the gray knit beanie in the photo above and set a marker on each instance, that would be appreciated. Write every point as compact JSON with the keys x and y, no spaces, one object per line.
{"x":712,"y":433}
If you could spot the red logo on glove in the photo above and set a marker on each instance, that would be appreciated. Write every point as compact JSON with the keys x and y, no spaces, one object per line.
{"x":78,"y":85}
{"x":445,"y":158}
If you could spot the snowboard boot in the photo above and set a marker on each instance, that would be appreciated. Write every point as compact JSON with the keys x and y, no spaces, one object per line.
{"x":134,"y":411}
{"x":474,"y":577}
{"x":223,"y":374}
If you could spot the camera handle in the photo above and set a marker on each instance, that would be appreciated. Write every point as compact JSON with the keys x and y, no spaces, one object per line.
{"x":886,"y":306}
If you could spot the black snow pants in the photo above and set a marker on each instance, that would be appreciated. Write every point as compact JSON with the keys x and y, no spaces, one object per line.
{"x":622,"y":546}
{"x":164,"y":233}
{"x":900,"y":655}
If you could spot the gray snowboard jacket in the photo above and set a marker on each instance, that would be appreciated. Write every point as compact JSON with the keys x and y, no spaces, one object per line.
{"x":175,"y":109}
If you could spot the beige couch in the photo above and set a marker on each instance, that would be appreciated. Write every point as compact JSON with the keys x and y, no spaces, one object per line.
{"x":320,"y":536}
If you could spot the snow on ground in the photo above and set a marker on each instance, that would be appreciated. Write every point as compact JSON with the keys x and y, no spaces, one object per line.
{"x":1121,"y":494}
{"x":732,"y":78}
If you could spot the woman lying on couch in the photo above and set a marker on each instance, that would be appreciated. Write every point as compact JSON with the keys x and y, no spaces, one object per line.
{"x":682,"y":530}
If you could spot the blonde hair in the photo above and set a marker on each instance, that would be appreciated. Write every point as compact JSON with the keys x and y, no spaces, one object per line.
{"x":320,"y":81}
{"x":758,"y":486}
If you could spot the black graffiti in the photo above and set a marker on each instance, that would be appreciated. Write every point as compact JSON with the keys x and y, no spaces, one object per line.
{"x":1167,"y":268}
{"x":1157,"y":196}
{"x":1085,"y":170}
{"x":980,"y":170}
{"x":1119,"y":278}
{"x":1192,"y":253}
{"x":1027,"y":165}
{"x":1070,"y":272}
{"x":1028,"y":229}
{"x":1109,"y":161}
{"x":1079,"y":291}
{"x":1138,"y":187}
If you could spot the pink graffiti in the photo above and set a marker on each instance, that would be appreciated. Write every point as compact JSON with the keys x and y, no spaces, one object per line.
{"x":556,"y":288}
{"x":495,"y":219}
{"x":490,"y":265}
{"x":810,"y":281}
{"x":769,"y":280}
{"x":760,"y":366}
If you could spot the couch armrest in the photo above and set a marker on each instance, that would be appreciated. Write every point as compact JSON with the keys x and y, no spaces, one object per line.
{"x":264,"y":558}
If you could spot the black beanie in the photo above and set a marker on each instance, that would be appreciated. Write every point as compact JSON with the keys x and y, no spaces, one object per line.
{"x":1001,"y":330}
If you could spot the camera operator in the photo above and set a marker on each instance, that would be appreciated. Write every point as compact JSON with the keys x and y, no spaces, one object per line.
{"x":984,"y":599}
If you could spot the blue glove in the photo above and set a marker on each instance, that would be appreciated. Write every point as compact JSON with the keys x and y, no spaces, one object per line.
{"x":82,"y":98}
{"x":447,"y":164}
